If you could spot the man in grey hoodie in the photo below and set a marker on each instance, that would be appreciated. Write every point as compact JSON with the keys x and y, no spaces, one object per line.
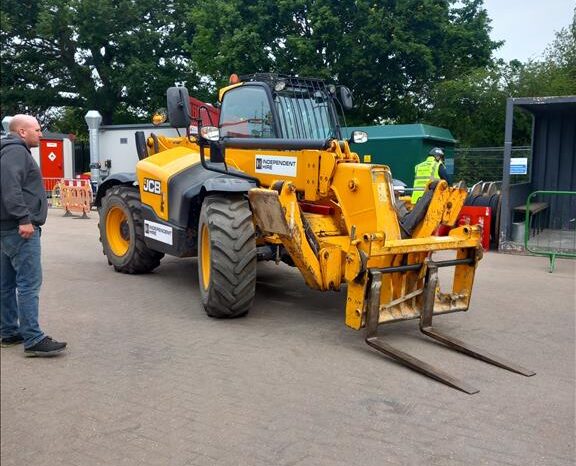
{"x":23,"y":209}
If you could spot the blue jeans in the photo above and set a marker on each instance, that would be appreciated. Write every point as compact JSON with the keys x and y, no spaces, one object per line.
{"x":20,"y":280}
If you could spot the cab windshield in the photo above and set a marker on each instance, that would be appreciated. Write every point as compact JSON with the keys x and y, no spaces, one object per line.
{"x":305,"y":113}
{"x":303,"y":109}
{"x":246,"y":113}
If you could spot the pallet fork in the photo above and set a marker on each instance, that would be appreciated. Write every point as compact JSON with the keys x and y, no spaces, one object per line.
{"x":428,"y":292}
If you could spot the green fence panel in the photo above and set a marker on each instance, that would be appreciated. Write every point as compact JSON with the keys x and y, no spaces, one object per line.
{"x":550,"y":224}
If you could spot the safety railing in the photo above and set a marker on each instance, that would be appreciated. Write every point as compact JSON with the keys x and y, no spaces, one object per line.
{"x":550,"y":224}
{"x":75,"y":196}
{"x":72,"y":195}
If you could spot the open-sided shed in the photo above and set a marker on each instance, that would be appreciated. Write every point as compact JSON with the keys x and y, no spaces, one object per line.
{"x":553,"y":164}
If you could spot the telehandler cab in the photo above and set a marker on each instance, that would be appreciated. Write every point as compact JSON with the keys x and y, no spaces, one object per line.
{"x":276,"y":180}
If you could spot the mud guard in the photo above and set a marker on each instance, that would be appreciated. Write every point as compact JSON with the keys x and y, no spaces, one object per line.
{"x":228,"y":184}
{"x":113,"y":180}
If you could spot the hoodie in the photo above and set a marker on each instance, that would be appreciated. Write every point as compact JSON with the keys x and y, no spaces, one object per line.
{"x":22,"y":194}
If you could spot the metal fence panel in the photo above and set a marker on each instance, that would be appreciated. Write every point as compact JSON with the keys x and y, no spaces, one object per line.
{"x":550,"y":224}
{"x":474,"y":164}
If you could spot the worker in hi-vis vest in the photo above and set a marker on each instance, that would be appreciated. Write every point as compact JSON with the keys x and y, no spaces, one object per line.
{"x":432,"y":169}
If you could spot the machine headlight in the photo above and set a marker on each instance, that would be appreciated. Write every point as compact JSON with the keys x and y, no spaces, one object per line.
{"x":211,"y":133}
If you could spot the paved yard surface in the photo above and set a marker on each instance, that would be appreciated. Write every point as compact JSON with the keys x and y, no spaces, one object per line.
{"x":150,"y":380}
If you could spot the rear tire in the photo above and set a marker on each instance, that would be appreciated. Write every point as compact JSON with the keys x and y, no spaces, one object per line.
{"x":122,"y":232}
{"x":226,"y":256}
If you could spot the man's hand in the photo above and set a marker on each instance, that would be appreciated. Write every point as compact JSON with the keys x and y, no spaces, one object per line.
{"x":26,"y":231}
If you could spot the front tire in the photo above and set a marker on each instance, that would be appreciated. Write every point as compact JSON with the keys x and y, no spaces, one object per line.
{"x":122,"y":232}
{"x":226,"y":256}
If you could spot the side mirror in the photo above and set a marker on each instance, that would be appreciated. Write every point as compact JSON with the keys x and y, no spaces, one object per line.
{"x":178,"y":102}
{"x":345,"y":97}
{"x":358,"y":137}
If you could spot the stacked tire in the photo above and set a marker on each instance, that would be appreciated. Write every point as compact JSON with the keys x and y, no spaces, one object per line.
{"x":494,"y":202}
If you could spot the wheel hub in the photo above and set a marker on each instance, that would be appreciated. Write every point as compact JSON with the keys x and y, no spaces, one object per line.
{"x":125,"y":231}
{"x":118,"y":231}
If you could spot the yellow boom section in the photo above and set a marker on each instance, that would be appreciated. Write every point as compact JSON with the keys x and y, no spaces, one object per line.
{"x":360,"y":232}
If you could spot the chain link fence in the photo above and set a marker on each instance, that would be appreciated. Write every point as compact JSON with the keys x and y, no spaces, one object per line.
{"x":474,"y":164}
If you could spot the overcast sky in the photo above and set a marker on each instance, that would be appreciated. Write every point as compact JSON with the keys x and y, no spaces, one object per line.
{"x":527,"y":26}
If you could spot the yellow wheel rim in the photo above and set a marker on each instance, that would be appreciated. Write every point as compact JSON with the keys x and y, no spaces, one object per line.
{"x":117,"y":231}
{"x":205,"y":256}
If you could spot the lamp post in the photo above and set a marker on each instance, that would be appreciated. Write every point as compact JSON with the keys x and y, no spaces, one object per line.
{"x":93,"y":119}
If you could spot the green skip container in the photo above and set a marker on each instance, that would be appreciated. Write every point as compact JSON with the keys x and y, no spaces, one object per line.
{"x":401,"y":147}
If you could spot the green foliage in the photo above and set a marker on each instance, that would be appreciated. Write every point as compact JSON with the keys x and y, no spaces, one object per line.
{"x":405,"y":60}
{"x":555,"y":74}
{"x":473,"y":106}
{"x":388,"y":52}
{"x":114,"y":56}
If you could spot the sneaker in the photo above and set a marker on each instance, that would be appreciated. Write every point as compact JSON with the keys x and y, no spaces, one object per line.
{"x":46,"y":347}
{"x":6,"y":342}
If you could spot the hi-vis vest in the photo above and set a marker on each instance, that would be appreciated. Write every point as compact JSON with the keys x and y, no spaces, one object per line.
{"x":425,"y":172}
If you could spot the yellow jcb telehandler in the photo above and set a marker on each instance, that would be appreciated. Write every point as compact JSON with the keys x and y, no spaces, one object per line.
{"x":276,"y":180}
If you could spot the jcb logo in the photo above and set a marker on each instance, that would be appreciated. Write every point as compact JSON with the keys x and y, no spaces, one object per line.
{"x":151,"y":186}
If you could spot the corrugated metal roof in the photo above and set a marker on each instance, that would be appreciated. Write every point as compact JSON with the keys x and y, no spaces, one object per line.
{"x":546,"y":104}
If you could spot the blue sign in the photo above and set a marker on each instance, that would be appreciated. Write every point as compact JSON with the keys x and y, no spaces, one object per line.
{"x":519,"y":166}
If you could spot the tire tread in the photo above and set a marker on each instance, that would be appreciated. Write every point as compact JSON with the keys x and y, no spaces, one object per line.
{"x":233,"y":257}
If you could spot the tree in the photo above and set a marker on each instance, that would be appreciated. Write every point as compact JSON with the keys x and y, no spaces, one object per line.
{"x":473,"y":106}
{"x":390,"y":52}
{"x":116,"y":56}
{"x":555,"y":73}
